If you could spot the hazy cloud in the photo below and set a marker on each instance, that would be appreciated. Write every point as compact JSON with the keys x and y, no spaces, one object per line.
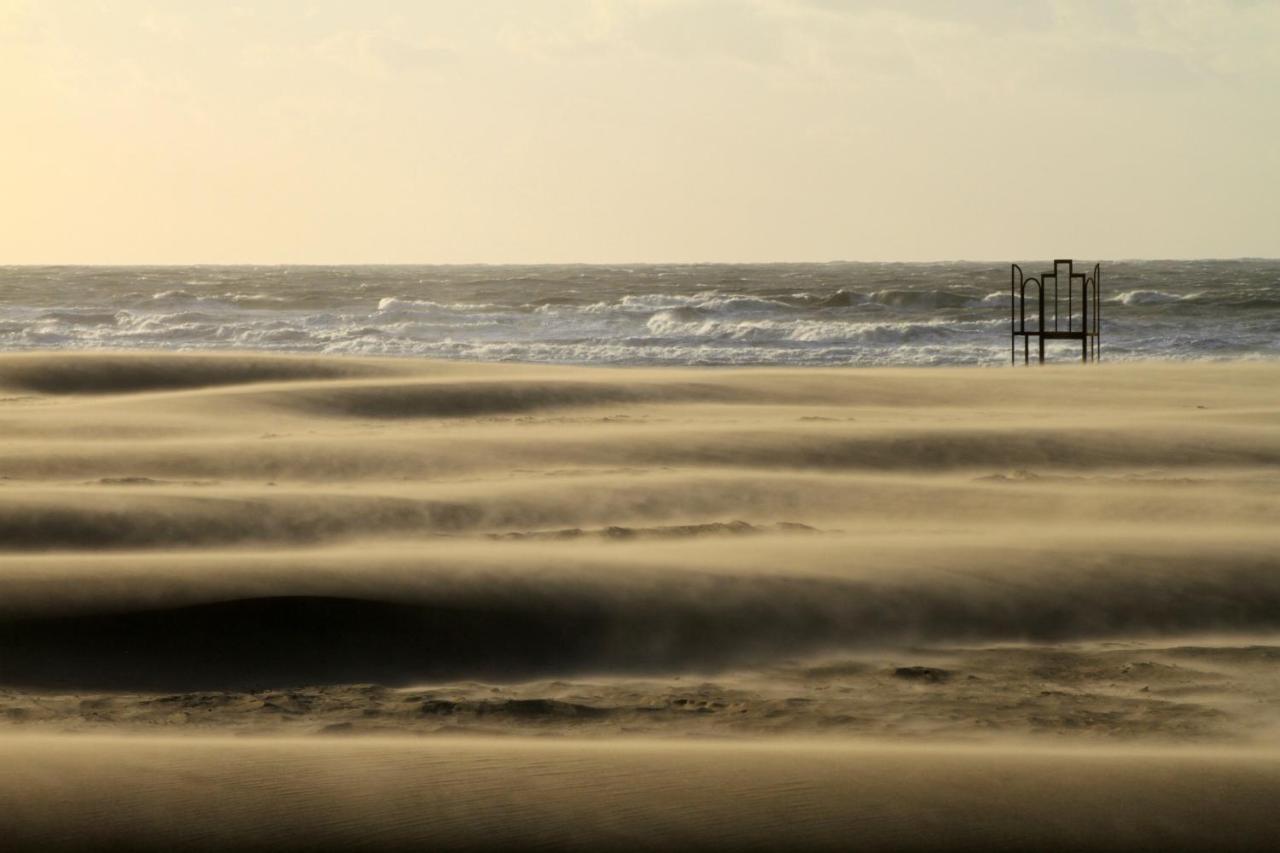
{"x":636,"y":129}
{"x":379,"y":54}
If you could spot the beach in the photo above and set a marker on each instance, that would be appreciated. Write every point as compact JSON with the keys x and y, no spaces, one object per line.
{"x":420,"y":602}
{"x":778,"y":425}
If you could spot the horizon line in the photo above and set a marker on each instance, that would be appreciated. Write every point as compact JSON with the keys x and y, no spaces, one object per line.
{"x":833,"y":262}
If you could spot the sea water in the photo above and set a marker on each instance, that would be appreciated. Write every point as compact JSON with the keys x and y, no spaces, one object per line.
{"x":705,"y":314}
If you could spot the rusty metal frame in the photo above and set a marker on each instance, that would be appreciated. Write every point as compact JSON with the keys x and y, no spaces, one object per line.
{"x":1089,"y":332}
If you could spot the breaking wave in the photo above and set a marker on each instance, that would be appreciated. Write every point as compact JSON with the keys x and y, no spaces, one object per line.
{"x":1148,"y":297}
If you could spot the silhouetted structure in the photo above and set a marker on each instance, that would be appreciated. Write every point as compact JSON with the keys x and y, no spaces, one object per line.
{"x":1082,"y":319}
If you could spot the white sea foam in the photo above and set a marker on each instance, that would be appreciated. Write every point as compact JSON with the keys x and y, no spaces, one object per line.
{"x":1147,"y":297}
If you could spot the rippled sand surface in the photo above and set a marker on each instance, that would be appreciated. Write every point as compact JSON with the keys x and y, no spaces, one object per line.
{"x":481,"y":794}
{"x":894,"y":606}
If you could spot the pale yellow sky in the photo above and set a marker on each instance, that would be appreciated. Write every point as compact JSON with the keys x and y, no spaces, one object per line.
{"x":650,"y":130}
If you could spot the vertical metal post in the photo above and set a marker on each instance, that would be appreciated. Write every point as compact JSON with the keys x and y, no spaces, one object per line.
{"x":1097,"y":312}
{"x":1084,"y":323}
{"x":1040,"y":337}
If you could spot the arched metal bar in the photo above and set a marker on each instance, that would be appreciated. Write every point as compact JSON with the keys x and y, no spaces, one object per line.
{"x":1022,"y":307}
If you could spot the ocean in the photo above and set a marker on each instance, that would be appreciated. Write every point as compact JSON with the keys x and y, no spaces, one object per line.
{"x":696,"y":314}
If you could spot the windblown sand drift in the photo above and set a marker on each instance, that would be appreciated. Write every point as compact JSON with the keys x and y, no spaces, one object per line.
{"x":203,"y":794}
{"x":267,"y":521}
{"x":295,"y":545}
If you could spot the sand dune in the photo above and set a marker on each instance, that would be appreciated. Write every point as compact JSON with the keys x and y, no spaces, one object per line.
{"x":296,"y":546}
{"x":509,"y":610}
{"x":820,"y":510}
{"x":916,"y":482}
{"x":54,"y":373}
{"x":141,"y":512}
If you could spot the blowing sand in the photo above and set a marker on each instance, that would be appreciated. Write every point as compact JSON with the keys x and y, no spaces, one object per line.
{"x":286,"y":794}
{"x":940,"y":609}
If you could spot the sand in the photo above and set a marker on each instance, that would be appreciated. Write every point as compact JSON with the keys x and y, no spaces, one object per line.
{"x":441,"y":603}
{"x":293,"y":794}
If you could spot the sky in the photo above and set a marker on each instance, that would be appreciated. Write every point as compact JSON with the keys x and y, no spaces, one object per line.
{"x":615,"y":131}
